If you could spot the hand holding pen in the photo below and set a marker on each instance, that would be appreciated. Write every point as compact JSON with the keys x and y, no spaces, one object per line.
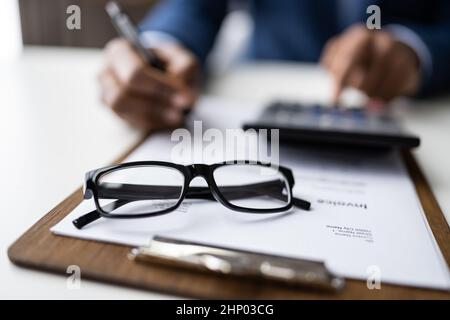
{"x":150,"y":89}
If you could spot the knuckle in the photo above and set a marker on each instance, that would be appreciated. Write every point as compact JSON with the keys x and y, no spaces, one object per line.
{"x":117,"y":103}
{"x":134,"y":75}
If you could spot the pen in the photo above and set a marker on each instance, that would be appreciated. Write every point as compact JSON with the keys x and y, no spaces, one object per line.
{"x":126,"y":29}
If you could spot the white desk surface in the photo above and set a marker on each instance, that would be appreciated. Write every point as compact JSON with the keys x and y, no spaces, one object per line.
{"x":53,"y":129}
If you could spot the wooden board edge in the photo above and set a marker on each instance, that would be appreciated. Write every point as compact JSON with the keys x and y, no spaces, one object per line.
{"x":433,"y":212}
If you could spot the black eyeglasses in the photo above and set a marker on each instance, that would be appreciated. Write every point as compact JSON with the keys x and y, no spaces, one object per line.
{"x":151,"y":188}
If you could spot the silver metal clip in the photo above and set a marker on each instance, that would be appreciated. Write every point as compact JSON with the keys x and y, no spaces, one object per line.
{"x":298,"y":272}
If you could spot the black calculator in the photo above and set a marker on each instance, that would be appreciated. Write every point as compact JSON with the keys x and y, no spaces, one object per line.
{"x":332,"y":125}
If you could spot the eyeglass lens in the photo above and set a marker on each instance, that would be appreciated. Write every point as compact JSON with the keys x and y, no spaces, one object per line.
{"x":140,"y":189}
{"x":150,"y":189}
{"x":252,"y":186}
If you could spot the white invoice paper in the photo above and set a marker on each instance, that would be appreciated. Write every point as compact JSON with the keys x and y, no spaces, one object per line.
{"x":366,"y":218}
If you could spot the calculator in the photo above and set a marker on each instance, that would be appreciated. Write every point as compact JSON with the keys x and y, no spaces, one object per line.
{"x":333,"y":125}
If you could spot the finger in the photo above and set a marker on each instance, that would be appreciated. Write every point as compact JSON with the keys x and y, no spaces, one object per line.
{"x":149,"y":108}
{"x":348,"y":68}
{"x":375,"y":105}
{"x":152,"y":110}
{"x":152,"y":90}
{"x":382,"y":54}
{"x":180,"y":63}
{"x":141,"y":122}
{"x":109,"y":86}
{"x":333,"y":63}
{"x":145,"y":121}
{"x":349,"y":56}
{"x":328,"y":52}
{"x":330,"y":61}
{"x":343,"y":70}
{"x":185,"y":100}
{"x":184,"y":66}
{"x":143,"y":116}
{"x":127,"y":105}
{"x":112,"y":88}
{"x":356,"y":77}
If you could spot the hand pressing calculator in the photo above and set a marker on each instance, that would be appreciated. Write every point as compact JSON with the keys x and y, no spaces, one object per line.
{"x":343,"y":126}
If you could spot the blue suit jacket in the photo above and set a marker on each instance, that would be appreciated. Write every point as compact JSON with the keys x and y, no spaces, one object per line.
{"x":298,"y":29}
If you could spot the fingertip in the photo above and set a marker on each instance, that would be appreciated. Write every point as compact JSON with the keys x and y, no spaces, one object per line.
{"x":336,"y":95}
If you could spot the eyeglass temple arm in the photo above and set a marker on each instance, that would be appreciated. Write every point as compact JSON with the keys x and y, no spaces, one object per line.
{"x":89,"y":217}
{"x":136,"y":193}
{"x":272,"y":188}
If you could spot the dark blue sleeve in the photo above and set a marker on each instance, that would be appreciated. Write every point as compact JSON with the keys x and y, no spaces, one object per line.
{"x":436,"y":36}
{"x":193,"y":22}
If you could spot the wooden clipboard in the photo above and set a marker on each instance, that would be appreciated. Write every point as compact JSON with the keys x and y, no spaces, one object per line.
{"x":39,"y":249}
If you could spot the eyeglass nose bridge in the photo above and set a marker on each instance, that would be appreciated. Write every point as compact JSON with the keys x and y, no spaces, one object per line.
{"x":199,"y":170}
{"x":203,"y":171}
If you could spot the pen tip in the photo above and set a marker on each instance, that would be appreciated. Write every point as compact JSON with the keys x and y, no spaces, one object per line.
{"x":112,"y":8}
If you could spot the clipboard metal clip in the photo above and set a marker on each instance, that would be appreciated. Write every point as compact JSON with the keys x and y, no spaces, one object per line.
{"x":191,"y":255}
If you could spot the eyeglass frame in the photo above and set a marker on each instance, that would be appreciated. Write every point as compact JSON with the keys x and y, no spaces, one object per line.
{"x":189,"y":172}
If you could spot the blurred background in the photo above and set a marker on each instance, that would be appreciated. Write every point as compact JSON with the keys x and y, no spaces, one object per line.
{"x":39,"y":18}
{"x":10,"y":30}
{"x":33,"y":22}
